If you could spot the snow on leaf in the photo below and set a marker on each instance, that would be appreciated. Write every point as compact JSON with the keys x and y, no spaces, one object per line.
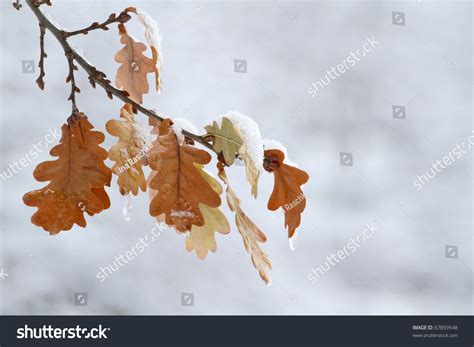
{"x":76,"y":179}
{"x":226,"y":139}
{"x":180,"y":124}
{"x":251,"y":150}
{"x":153,"y":37}
{"x":274,"y":144}
{"x":251,"y":234}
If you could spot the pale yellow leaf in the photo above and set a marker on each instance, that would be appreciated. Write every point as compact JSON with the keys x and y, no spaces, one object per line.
{"x":129,"y":153}
{"x":202,"y":238}
{"x":251,"y":234}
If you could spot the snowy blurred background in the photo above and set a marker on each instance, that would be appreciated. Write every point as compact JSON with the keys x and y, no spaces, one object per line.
{"x":403,"y":106}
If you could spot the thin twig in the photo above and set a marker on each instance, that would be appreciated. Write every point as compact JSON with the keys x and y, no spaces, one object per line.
{"x":123,"y":17}
{"x":98,"y":77}
{"x":43,"y":55}
{"x":71,"y":79}
{"x":42,"y":2}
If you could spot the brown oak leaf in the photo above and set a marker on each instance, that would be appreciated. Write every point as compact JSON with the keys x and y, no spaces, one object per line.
{"x":287,"y":191}
{"x":132,"y":73}
{"x":129,"y":153}
{"x":251,"y":234}
{"x":77,"y":179}
{"x":180,"y":187}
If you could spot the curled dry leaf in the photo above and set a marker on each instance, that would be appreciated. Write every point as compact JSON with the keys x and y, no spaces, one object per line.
{"x":287,"y":191}
{"x":153,"y":37}
{"x":132,"y":74}
{"x":251,"y":234}
{"x":251,"y":150}
{"x":226,"y":139}
{"x":180,"y":186}
{"x":129,"y":153}
{"x":77,"y":179}
{"x":202,"y":238}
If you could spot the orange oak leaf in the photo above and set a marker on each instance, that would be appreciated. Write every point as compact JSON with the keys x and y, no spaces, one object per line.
{"x":132,"y":74}
{"x":76,"y":179}
{"x":155,"y":124}
{"x":287,"y":191}
{"x":130,"y":151}
{"x":180,"y":187}
{"x":251,"y":234}
{"x":153,"y":37}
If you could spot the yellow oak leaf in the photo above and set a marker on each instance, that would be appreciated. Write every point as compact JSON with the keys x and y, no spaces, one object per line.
{"x":226,"y":139}
{"x":129,"y":153}
{"x":202,"y":238}
{"x":251,"y":151}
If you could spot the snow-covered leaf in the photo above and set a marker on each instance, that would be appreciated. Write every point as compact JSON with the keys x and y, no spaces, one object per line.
{"x":251,"y":150}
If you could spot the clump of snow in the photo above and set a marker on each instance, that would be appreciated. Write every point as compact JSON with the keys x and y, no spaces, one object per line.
{"x":273,"y":144}
{"x":180,"y":124}
{"x":141,"y":135}
{"x":250,"y":134}
{"x":79,"y":51}
{"x":181,"y":214}
{"x":152,"y":33}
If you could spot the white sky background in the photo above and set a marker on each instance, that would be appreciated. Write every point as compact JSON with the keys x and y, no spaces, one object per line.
{"x":424,"y":65}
